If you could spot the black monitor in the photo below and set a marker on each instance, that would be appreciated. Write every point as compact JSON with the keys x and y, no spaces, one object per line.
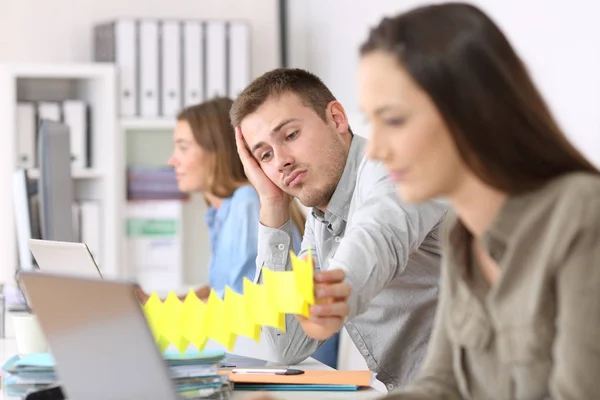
{"x":55,"y":186}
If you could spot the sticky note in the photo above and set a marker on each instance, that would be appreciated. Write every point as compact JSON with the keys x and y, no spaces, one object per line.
{"x":240,"y":321}
{"x":258,"y":307}
{"x":304,"y":276}
{"x":192,"y":323}
{"x":282,"y":292}
{"x":152,"y":310}
{"x":218,"y":327}
{"x":169,"y":322}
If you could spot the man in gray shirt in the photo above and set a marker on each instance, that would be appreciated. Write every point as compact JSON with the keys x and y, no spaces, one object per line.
{"x":381,"y":256}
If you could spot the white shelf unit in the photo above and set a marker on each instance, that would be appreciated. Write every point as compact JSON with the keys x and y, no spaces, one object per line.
{"x":94,"y":83}
{"x":86,"y":173}
{"x":149,"y":142}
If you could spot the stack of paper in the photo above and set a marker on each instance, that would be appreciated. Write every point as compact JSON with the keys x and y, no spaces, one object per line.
{"x":196,"y":374}
{"x":28,"y":373}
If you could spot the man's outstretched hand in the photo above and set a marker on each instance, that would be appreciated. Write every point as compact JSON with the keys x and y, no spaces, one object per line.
{"x":329,"y":313}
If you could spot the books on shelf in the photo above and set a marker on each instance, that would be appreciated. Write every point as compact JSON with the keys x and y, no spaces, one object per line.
{"x":153,"y":183}
{"x":155,"y":243}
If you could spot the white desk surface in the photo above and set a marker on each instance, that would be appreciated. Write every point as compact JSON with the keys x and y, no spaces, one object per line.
{"x":8,"y":348}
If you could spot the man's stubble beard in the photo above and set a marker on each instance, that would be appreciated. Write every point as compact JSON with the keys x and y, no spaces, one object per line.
{"x":316,"y":197}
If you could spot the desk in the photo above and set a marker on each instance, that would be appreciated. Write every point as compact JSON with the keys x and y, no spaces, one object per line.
{"x":8,"y":348}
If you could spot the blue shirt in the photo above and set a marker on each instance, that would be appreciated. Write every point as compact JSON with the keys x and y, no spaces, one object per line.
{"x":233,"y":231}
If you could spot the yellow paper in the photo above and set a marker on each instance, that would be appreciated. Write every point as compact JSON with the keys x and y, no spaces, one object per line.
{"x":304,"y":277}
{"x":241,"y":323}
{"x":191,"y":323}
{"x":169,"y":322}
{"x":152,"y":310}
{"x":282,"y":292}
{"x":162,"y":344}
{"x":218,"y":326}
{"x":258,"y":308}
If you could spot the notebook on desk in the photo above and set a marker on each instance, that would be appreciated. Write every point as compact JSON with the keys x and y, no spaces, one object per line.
{"x":309,"y":380}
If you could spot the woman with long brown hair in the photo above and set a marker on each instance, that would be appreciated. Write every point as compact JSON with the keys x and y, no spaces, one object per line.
{"x":455,"y":114}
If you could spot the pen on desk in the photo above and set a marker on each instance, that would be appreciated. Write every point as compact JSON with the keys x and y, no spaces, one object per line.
{"x":276,"y":371}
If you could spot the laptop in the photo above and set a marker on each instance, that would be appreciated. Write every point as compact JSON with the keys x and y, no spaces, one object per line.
{"x":100,"y":340}
{"x":64,"y":257}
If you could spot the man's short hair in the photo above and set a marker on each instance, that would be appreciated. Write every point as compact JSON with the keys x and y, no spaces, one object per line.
{"x":308,"y":87}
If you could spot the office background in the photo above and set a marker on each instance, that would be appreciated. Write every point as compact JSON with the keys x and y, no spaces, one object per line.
{"x":559,"y":40}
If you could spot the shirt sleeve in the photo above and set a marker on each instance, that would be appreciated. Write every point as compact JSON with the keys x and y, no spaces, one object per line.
{"x":381,"y":234}
{"x":576,"y":350}
{"x":436,"y":378}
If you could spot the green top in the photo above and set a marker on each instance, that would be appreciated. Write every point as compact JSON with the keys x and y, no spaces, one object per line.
{"x":534,"y":333}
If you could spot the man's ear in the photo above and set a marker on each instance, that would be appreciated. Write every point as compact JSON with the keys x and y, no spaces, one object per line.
{"x":336,"y":112}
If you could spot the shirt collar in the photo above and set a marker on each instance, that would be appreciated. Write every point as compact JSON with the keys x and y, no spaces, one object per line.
{"x":506,"y":221}
{"x":495,"y":240}
{"x":339,"y":205}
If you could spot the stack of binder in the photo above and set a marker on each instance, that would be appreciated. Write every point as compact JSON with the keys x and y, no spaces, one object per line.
{"x":194,"y":374}
{"x":152,"y":183}
{"x":27,"y":374}
{"x":166,"y":65}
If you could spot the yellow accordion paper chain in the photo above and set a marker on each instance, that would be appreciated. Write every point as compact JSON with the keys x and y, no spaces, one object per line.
{"x":193,"y":321}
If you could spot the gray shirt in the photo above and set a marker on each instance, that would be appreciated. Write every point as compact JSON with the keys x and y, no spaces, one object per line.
{"x":390,"y":252}
{"x":535,"y":332}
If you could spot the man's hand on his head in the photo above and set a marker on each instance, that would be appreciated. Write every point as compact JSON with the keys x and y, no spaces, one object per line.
{"x":274,"y":202}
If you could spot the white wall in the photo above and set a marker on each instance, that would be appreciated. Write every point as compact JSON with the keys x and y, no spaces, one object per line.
{"x":61,"y":30}
{"x":559,"y":41}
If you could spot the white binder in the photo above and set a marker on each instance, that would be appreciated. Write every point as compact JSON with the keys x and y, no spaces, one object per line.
{"x":148,"y":68}
{"x":115,"y":42}
{"x":75,"y":117}
{"x":126,"y":59}
{"x":238,"y":57}
{"x":170,"y":93}
{"x":26,"y":134}
{"x":193,"y":66}
{"x":49,"y":110}
{"x":216,"y":56}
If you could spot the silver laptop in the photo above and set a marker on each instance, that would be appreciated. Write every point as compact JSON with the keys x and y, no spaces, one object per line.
{"x":64,"y":257}
{"x":99,"y":338}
